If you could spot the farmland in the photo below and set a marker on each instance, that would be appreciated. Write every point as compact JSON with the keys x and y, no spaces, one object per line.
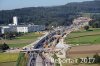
{"x":23,"y":40}
{"x":8,"y":59}
{"x":84,"y":37}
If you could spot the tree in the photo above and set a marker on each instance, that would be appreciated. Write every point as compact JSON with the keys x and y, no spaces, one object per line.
{"x":86,"y":28}
{"x":55,"y":59}
{"x":4,"y":46}
{"x":95,"y":25}
{"x":97,"y":58}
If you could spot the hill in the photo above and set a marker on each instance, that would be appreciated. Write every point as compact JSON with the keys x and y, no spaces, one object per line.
{"x":57,"y":15}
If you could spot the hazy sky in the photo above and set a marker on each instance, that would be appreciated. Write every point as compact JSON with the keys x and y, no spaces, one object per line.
{"x":13,"y":4}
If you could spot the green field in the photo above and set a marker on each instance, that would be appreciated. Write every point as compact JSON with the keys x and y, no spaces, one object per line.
{"x":8,"y":64}
{"x":8,"y":59}
{"x":21,"y":41}
{"x":84,"y":37}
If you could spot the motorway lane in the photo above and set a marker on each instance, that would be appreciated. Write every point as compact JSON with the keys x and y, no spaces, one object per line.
{"x":40,"y":44}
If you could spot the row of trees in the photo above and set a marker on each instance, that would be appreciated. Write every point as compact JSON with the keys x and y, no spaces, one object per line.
{"x":10,"y":35}
{"x":95,"y":23}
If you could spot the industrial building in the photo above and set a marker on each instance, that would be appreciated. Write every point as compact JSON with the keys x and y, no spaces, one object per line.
{"x":21,"y":28}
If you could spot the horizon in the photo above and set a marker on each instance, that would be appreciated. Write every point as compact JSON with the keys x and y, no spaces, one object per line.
{"x":17,"y":4}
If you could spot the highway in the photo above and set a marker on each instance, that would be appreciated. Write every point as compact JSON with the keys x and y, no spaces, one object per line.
{"x":35,"y":53}
{"x":36,"y":58}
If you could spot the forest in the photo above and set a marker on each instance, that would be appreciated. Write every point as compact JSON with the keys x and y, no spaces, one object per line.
{"x":53,"y":16}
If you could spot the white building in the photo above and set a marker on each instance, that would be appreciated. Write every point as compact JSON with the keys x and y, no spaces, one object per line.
{"x":21,"y":28}
{"x":15,"y":20}
{"x":30,"y":28}
{"x":4,"y":29}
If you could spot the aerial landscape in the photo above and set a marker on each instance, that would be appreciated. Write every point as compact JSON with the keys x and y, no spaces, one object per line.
{"x":50,"y":33}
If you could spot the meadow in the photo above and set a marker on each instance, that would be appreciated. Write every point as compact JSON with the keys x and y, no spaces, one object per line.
{"x":23,"y":40}
{"x":84,"y":37}
{"x":8,"y":59}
